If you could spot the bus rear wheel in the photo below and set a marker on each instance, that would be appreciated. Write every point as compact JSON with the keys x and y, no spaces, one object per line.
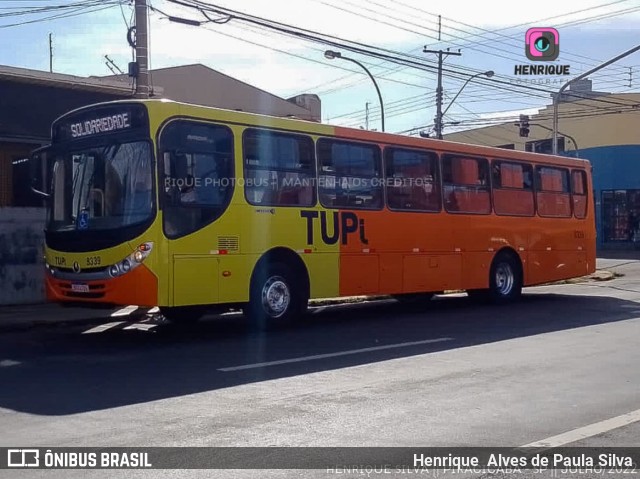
{"x":275,"y":298}
{"x":505,"y":278}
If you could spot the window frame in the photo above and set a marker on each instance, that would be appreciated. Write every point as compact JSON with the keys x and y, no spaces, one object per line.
{"x":160,"y":165}
{"x":530,"y":146}
{"x":378,"y":159}
{"x":437,"y":180}
{"x":585,"y":184}
{"x":498,"y":161}
{"x":444,"y":156}
{"x":313,"y":175}
{"x":537,"y":182}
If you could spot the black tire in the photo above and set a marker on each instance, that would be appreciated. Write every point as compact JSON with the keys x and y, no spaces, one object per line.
{"x":183,"y":315}
{"x":276,"y":297}
{"x":505,"y":279}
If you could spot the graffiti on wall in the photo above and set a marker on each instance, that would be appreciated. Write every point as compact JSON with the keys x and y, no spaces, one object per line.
{"x":21,"y":252}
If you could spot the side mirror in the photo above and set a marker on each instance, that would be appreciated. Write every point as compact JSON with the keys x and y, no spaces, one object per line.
{"x":38,"y":169}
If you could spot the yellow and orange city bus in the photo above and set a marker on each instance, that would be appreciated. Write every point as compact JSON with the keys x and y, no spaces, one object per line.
{"x":153,"y":202}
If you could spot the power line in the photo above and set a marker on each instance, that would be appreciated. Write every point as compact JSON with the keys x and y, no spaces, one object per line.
{"x":73,"y":13}
{"x":482,"y":34}
{"x":497,"y":33}
{"x":357,"y":47}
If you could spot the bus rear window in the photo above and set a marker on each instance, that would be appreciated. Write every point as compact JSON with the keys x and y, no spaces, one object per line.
{"x":579,"y":192}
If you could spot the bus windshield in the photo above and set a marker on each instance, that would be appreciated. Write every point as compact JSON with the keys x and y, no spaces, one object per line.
{"x":100,"y":188}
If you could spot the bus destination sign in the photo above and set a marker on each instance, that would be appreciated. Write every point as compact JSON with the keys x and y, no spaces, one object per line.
{"x":105,"y":124}
{"x":99,"y":120}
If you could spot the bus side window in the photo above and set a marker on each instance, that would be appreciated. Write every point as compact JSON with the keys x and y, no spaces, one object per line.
{"x":350,"y":174}
{"x":279,"y":168}
{"x":198,"y":174}
{"x":412,"y":180}
{"x":512,"y":189}
{"x":466,"y":184}
{"x":553,"y":192}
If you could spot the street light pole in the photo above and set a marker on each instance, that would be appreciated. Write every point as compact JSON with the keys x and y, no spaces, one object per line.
{"x":556,"y":98}
{"x":488,"y":74}
{"x":330,"y":55}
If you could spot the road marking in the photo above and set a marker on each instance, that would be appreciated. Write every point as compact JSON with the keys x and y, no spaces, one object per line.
{"x":333,"y":355}
{"x":5,"y":363}
{"x":587,"y":431}
{"x":103,"y":327}
{"x":141,"y":326}
{"x":126,"y":311}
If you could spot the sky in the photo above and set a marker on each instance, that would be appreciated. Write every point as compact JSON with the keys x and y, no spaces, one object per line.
{"x":489,"y":34}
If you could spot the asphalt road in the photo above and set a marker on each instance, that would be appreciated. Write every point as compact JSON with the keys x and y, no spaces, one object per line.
{"x":453,"y":373}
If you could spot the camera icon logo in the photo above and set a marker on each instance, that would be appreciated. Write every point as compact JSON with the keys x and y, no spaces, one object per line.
{"x":542,"y":44}
{"x":23,"y":457}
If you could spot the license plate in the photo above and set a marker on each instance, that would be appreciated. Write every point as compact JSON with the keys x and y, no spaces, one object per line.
{"x":80,"y":288}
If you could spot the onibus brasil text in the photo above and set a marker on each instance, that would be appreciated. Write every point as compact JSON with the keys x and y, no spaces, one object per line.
{"x":95,"y":459}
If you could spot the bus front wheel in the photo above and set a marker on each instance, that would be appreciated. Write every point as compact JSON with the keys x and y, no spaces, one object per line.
{"x":275,"y":298}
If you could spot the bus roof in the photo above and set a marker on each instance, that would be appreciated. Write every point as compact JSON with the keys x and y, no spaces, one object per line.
{"x":323,"y":129}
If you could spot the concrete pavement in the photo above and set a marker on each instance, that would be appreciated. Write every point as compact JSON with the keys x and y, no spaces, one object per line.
{"x":453,"y":374}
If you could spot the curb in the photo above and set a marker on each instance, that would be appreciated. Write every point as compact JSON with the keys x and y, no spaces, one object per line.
{"x":603,"y":275}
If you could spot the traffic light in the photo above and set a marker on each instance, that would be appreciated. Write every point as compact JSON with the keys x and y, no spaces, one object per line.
{"x":524,"y":125}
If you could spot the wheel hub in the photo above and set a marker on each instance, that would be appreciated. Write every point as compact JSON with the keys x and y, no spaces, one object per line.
{"x":276,"y":297}
{"x":505,"y":279}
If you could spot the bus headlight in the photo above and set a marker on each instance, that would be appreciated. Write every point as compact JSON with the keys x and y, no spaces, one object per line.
{"x":114,"y":271}
{"x":132,"y":261}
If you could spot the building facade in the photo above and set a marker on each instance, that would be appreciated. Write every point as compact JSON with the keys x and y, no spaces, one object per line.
{"x":600,"y":127}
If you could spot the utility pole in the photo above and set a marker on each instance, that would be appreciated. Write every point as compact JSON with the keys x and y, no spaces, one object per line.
{"x":50,"y":52}
{"x":142,"y":60}
{"x":441,"y":56}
